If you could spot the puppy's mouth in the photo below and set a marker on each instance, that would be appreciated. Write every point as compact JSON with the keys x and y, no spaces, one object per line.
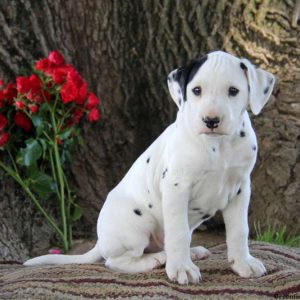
{"x":213,"y":133}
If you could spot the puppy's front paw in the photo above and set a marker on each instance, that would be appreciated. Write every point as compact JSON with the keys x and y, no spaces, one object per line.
{"x":249,"y":267}
{"x":183,"y":273}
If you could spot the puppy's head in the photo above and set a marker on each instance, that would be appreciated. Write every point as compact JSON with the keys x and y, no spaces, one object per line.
{"x":213,"y":92}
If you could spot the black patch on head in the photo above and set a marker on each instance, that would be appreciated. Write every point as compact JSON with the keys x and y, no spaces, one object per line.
{"x":137,"y":212}
{"x":148,"y":159}
{"x":239,"y":191}
{"x":150,"y":205}
{"x":164,"y":173}
{"x":266,"y":90}
{"x":243,"y":66}
{"x":254,"y":148}
{"x":176,"y":184}
{"x":242,"y":134}
{"x":185,"y":74}
{"x":205,"y":217}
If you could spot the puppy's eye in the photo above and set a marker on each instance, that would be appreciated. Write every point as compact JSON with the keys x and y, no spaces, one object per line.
{"x":232,"y":91}
{"x":197,"y":90}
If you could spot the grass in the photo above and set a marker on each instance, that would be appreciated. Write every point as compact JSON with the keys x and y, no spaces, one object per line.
{"x":277,"y":236}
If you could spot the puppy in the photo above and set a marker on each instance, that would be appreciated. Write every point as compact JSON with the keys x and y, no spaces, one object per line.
{"x":200,"y":164}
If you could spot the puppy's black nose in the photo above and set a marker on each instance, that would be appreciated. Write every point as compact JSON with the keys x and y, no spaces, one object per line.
{"x":211,"y":123}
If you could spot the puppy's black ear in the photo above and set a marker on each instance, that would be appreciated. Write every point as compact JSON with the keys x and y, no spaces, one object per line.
{"x":179,"y":79}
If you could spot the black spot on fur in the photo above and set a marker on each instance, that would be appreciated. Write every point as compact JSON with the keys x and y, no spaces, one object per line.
{"x":185,"y":74}
{"x":239,"y":191}
{"x":176,"y":184}
{"x":137,"y":212}
{"x":164,"y":173}
{"x":150,"y":205}
{"x":243,"y":124}
{"x":266,"y":90}
{"x":254,"y":148}
{"x":148,"y":159}
{"x":242,"y":134}
{"x":214,"y":149}
{"x":243,"y":66}
{"x":205,"y":217}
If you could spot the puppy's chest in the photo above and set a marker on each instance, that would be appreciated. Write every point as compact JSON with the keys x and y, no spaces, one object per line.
{"x":220,"y":174}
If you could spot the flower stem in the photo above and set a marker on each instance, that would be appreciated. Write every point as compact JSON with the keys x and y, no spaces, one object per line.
{"x":19,"y":180}
{"x":60,"y":177}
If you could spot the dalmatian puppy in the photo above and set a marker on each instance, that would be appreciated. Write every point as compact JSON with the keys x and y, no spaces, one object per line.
{"x":200,"y":164}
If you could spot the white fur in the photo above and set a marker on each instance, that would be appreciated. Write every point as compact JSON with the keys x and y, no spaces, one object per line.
{"x":191,"y":171}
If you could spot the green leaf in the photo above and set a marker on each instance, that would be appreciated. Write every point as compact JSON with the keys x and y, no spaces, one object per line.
{"x":77,"y":212}
{"x":65,"y":134}
{"x":30,"y":154}
{"x":43,"y":184}
{"x":44,"y":107}
{"x":44,"y":144}
{"x":38,"y":123}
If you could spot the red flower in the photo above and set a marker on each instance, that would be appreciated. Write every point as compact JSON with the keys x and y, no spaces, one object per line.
{"x":3,"y":122}
{"x":94,"y":115}
{"x":59,"y":75}
{"x":82,"y":93}
{"x":77,"y":115}
{"x":69,"y":92}
{"x":23,"y":84}
{"x":58,"y":140}
{"x":35,"y":83}
{"x":10,"y":92}
{"x":45,"y":65}
{"x":74,"y":76}
{"x":35,"y":88}
{"x":22,"y":121}
{"x":20,"y":105}
{"x":4,"y":138}
{"x":33,"y":108}
{"x":56,"y":58}
{"x":92,"y":101}
{"x":2,"y":99}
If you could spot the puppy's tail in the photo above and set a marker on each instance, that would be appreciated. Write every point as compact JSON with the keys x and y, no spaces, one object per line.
{"x":91,"y":256}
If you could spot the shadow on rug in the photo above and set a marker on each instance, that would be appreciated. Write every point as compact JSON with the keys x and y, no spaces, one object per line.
{"x":94,"y":281}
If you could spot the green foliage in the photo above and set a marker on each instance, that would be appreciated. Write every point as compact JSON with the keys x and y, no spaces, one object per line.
{"x":30,"y":154}
{"x":277,"y":236}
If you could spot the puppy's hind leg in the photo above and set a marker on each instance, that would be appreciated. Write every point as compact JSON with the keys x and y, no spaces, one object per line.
{"x":136,"y":261}
{"x":199,"y":252}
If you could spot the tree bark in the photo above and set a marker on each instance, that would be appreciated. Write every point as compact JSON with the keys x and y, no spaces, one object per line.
{"x":125,"y":49}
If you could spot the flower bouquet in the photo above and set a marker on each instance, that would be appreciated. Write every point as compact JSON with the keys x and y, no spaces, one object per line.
{"x":40,"y":116}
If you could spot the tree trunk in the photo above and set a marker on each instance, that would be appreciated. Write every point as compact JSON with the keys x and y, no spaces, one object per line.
{"x":125,"y":49}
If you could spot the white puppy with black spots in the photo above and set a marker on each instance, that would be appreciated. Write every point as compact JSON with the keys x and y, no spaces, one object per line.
{"x":200,"y":164}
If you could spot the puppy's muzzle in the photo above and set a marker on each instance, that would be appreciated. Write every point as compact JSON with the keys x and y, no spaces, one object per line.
{"x":211,"y":123}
